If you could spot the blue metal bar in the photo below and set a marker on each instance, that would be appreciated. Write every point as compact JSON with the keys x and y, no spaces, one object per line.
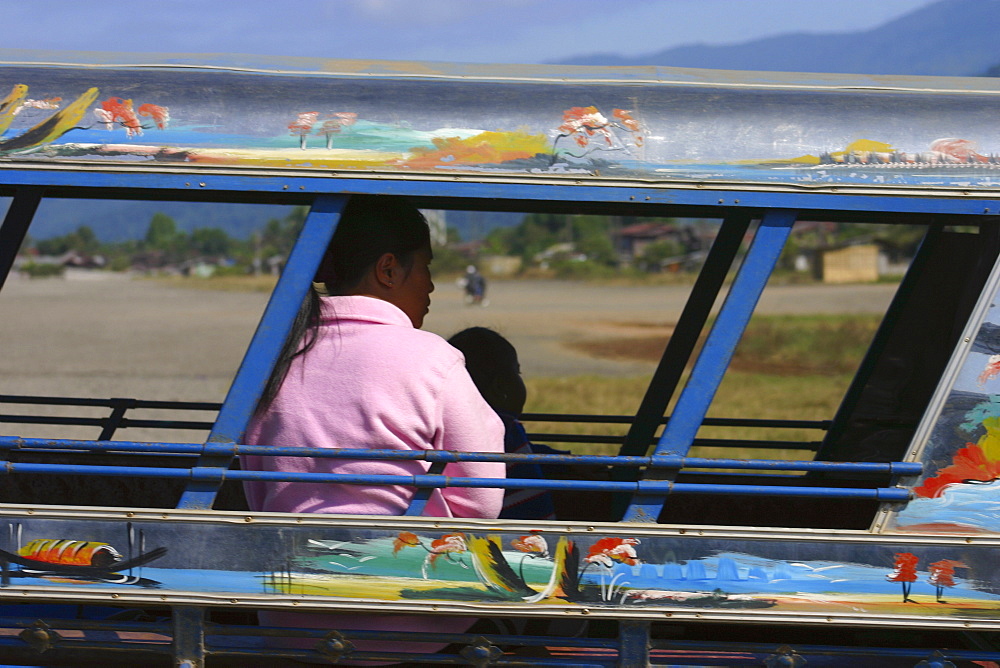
{"x":419,"y":501}
{"x":448,"y":456}
{"x":695,"y":399}
{"x":292,"y":188}
{"x":189,"y":636}
{"x":635,"y":643}
{"x":682,"y":342}
{"x":275,"y":324}
{"x":651,"y":487}
{"x":15,"y":226}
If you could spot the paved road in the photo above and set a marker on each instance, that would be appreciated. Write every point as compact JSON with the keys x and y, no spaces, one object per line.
{"x":133,"y":338}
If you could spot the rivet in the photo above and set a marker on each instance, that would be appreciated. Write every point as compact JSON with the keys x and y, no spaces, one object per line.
{"x":202,"y":185}
{"x":721,"y":201}
{"x":248,"y":519}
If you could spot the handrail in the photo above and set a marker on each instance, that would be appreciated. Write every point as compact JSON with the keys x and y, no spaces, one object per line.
{"x":215,"y":406}
{"x":9,"y":443}
{"x":438,"y":481}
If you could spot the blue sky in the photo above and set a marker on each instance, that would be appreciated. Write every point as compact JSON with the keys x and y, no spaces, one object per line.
{"x":503,"y":31}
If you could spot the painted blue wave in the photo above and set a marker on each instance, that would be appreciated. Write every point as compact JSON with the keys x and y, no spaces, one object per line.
{"x":968,"y":505}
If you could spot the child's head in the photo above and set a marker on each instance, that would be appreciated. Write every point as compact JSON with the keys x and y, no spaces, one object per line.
{"x":492,"y":363}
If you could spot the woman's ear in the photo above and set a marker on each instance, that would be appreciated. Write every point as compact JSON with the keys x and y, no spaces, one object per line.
{"x":387,"y":270}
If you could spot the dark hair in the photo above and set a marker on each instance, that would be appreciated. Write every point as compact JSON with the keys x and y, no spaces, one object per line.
{"x":370,"y":226}
{"x":487,"y":353}
{"x":491,"y":361}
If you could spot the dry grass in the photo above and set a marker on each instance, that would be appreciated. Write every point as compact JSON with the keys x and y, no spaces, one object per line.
{"x":262,"y":283}
{"x":741,"y":395}
{"x":786,"y":367}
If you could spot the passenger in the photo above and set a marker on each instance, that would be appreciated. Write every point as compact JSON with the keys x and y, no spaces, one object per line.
{"x":359,"y":373}
{"x":492,"y":363}
{"x":475,"y":286}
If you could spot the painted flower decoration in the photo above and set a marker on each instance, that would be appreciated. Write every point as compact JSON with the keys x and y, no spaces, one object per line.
{"x":405,"y":539}
{"x":629,"y":122}
{"x":532,"y":544}
{"x":582,"y":123}
{"x":991,"y":370}
{"x":607,"y":551}
{"x":452,"y":543}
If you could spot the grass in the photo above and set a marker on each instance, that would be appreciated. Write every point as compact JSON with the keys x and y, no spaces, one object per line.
{"x":742,"y":394}
{"x":262,"y":283}
{"x":786,"y":367}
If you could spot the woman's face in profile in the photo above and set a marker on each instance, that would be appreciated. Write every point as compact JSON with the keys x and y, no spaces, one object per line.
{"x":412,"y":293}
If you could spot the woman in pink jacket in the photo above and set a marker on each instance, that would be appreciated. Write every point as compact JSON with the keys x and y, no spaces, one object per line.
{"x":361,"y":374}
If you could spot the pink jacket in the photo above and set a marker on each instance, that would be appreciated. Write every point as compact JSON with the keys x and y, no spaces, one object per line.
{"x":373,"y":381}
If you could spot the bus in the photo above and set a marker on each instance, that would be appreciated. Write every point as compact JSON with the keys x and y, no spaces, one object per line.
{"x":874,"y":544}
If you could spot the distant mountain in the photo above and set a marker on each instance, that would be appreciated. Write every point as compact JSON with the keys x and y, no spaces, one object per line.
{"x":951,"y":37}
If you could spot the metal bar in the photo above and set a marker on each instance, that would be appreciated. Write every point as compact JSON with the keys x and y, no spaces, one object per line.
{"x":108,"y":403}
{"x":189,"y":636}
{"x":275,"y":324}
{"x":634,"y":640}
{"x":763,"y":650}
{"x":685,"y":337}
{"x":280,"y":186}
{"x":111,"y":425}
{"x":542,"y":437}
{"x":882,"y":335}
{"x":642,"y":487}
{"x":707,"y":422}
{"x":447,"y":456}
{"x":99,"y":422}
{"x":695,"y":399}
{"x":15,"y":226}
{"x":419,"y":501}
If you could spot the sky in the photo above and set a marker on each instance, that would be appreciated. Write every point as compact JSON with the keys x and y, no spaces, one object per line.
{"x":477,"y":31}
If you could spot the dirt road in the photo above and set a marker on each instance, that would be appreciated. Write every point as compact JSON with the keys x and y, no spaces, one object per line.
{"x":143,"y":339}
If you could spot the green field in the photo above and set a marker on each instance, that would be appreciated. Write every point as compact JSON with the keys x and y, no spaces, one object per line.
{"x":786,"y":367}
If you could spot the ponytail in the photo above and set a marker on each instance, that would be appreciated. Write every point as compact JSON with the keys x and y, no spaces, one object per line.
{"x":370,"y":226}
